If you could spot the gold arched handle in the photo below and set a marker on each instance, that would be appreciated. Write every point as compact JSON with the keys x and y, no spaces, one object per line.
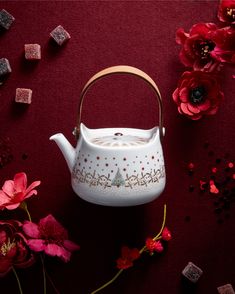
{"x":120,"y":69}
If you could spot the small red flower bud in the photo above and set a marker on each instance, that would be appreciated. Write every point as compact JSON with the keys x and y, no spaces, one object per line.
{"x":166,"y":234}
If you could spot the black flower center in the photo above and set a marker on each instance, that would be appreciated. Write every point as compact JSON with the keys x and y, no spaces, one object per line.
{"x":197,"y":95}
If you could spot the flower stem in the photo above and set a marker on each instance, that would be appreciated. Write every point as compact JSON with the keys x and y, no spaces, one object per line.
{"x":52,"y":283}
{"x":18,"y":280}
{"x":158,"y":235}
{"x":24,"y":206}
{"x":109,"y":282}
{"x":140,"y":251}
{"x":44,"y":274}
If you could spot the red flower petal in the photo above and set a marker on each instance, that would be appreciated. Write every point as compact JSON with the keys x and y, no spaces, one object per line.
{"x":5,"y":266}
{"x":193,"y":108}
{"x":70,"y":246}
{"x":12,"y":206}
{"x":166,"y":234}
{"x":31,"y":230}
{"x":204,"y":106}
{"x":158,"y":247}
{"x":175,"y":95}
{"x":32,"y":186}
{"x":134,"y":254}
{"x":55,"y":250}
{"x":123,"y":263}
{"x":183,"y":93}
{"x":36,"y":245}
{"x":49,"y":227}
{"x":8,"y":187}
{"x":20,"y":182}
{"x":181,"y":36}
{"x":184,"y":109}
{"x":3,"y":199}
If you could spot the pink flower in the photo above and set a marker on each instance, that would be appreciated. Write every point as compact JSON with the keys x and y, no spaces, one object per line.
{"x":166,"y":234}
{"x":197,"y":45}
{"x":49,"y":236}
{"x":127,"y":257}
{"x":14,"y":192}
{"x":153,"y":245}
{"x":198,"y":94}
{"x":226,"y":12}
{"x":13,"y":247}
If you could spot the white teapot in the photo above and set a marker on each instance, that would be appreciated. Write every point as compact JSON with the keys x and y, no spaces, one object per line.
{"x":116,"y":166}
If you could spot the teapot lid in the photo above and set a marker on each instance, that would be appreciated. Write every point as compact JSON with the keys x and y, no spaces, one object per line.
{"x":118,"y":137}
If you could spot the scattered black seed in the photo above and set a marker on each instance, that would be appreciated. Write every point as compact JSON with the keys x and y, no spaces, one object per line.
{"x":220,"y":221}
{"x":206,"y":145}
{"x":218,"y":210}
{"x":187,"y":218}
{"x":24,"y":156}
{"x":212,"y":177}
{"x":218,"y":160}
{"x":191,"y":188}
{"x":227,"y":169}
{"x":190,"y":172}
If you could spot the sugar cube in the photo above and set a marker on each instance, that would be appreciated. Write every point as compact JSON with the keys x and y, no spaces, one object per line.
{"x":192,"y":272}
{"x":60,"y":35}
{"x":5,"y":67}
{"x":23,"y":95}
{"x":32,"y":51}
{"x":226,"y":289}
{"x":6,"y":19}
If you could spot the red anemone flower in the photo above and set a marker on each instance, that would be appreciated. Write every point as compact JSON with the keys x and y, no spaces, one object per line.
{"x":226,"y":12}
{"x":197,"y":45}
{"x":198,"y":94}
{"x":13,"y":247}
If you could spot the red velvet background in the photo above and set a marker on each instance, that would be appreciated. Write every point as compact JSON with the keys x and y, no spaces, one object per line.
{"x":106,"y":33}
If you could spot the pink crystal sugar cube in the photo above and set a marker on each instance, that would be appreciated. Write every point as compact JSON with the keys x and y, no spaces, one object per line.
{"x":60,"y":35}
{"x":6,"y":19}
{"x":5,"y":67}
{"x":192,"y":272}
{"x":23,"y":95}
{"x":226,"y":289}
{"x":32,"y":51}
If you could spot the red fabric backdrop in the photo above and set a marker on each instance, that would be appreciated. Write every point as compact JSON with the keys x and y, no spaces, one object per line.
{"x":106,"y":33}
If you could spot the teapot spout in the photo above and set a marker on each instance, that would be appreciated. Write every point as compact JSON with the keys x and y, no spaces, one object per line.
{"x":66,"y":148}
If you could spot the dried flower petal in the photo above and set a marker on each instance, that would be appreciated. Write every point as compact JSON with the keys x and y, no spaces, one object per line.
{"x":127,"y":257}
{"x":213,"y":188}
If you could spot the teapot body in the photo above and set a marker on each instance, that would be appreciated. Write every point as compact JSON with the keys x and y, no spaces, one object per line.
{"x":113,"y":172}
